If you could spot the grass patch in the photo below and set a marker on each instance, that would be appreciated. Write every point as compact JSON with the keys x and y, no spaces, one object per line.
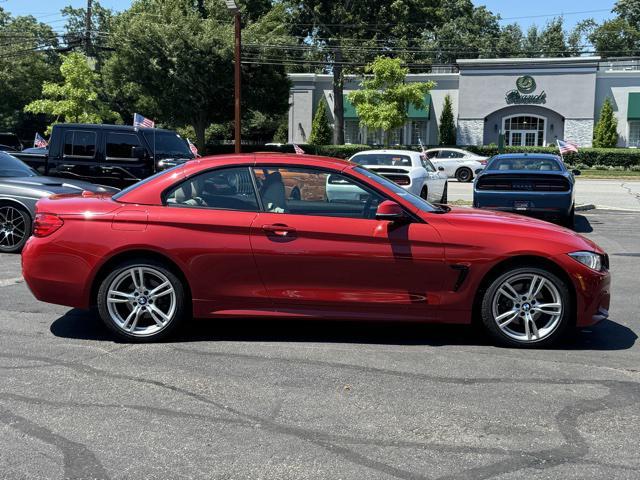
{"x":460,"y":203}
{"x":632,"y":174}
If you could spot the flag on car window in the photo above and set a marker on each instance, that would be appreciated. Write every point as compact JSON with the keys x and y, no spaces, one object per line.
{"x":566,"y":147}
{"x":140,"y":121}
{"x":193,"y":148}
{"x":40,"y":142}
{"x":424,"y":152}
{"x":298,"y":150}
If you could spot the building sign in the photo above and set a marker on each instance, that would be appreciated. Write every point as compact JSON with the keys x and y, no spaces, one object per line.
{"x":523,"y":94}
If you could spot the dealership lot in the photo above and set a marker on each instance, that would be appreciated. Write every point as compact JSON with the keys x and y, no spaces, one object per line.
{"x":614,"y":193}
{"x":259,"y":399}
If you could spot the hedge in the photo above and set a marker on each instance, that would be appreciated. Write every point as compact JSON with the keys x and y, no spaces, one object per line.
{"x":585,"y":158}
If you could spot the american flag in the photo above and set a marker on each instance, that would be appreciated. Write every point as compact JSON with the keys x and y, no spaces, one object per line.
{"x":298,"y":150}
{"x":40,"y":142}
{"x":193,"y":148}
{"x":140,"y":121}
{"x":566,"y":147}
{"x":424,"y":152}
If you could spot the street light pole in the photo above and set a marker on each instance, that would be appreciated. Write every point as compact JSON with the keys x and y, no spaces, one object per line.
{"x":233,"y":8}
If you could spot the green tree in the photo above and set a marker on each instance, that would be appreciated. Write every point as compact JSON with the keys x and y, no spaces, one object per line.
{"x":321,"y":132}
{"x":447,"y":127}
{"x":173,"y":60}
{"x":76,"y":98}
{"x":28,"y":59}
{"x":94,"y":42}
{"x":510,"y":41}
{"x":605,"y":133}
{"x":553,"y":40}
{"x":616,"y":37}
{"x":382,"y":102}
{"x":531,"y":43}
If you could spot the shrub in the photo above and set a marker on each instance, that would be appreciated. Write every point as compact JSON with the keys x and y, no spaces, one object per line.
{"x":447,"y":128}
{"x":605,"y":133}
{"x":321,"y":131}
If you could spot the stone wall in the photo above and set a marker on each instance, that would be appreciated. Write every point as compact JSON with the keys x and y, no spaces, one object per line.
{"x":579,"y":131}
{"x":470,"y":132}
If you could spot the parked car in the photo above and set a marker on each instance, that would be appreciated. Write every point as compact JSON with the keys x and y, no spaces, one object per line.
{"x":533,"y":184}
{"x":116,"y":155}
{"x":411,"y":170}
{"x":10,"y":140}
{"x":20,"y":188}
{"x":200,"y":239}
{"x":457,"y":163}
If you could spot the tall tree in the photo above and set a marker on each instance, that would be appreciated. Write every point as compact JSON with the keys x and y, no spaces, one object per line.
{"x":321,"y":133}
{"x":605,"y":133}
{"x":616,"y":38}
{"x":553,"y":42}
{"x":383,"y":100}
{"x":76,"y":98}
{"x":531,"y":43}
{"x":174,"y":61}
{"x":28,"y":59}
{"x":628,"y":10}
{"x":510,"y":41}
{"x":447,"y":127}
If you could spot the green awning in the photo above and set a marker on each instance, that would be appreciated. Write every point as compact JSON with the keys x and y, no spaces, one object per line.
{"x":633,"y":109}
{"x":413,"y":112}
{"x":349,"y":109}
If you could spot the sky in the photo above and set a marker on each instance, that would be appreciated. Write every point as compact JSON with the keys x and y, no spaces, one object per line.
{"x":525,"y":13}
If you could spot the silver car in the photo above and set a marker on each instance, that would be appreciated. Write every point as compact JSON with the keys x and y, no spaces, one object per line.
{"x":20,"y":188}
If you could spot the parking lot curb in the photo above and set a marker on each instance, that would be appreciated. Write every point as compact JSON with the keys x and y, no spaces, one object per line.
{"x":584,"y":207}
{"x":616,"y":209}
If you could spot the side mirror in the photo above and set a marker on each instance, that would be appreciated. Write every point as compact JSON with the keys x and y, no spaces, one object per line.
{"x":138,"y":152}
{"x":390,"y":211}
{"x":441,"y":169}
{"x":576,"y":172}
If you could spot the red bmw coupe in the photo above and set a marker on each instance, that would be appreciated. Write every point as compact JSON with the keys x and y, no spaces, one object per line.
{"x":225,"y":237}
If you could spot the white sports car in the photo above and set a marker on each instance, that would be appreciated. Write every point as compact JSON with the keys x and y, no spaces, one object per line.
{"x":457,"y":163}
{"x":411,"y":170}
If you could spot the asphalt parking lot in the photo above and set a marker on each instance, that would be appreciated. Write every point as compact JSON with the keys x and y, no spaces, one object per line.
{"x":321,"y":400}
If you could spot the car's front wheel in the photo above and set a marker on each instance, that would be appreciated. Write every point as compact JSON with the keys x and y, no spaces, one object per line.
{"x":15,"y":228}
{"x":141,"y":301}
{"x":464,"y":174}
{"x":526,"y":307}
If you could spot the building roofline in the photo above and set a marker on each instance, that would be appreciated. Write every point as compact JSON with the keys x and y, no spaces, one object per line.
{"x":551,"y":61}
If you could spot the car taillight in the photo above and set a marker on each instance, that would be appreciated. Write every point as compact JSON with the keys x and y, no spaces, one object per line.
{"x":45,"y":224}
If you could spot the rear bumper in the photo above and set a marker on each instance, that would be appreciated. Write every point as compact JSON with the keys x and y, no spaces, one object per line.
{"x":538,"y":203}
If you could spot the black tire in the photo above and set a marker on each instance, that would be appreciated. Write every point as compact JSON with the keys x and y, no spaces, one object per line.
{"x":570,"y":220}
{"x":424,"y":193}
{"x":16,"y":220}
{"x":176,"y":318}
{"x":464,"y":174}
{"x":500,"y":336}
{"x":444,"y":193}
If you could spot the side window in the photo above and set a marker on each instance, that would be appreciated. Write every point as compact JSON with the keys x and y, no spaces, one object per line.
{"x":120,"y":145}
{"x":307,"y":191}
{"x":225,"y":188}
{"x":79,"y":143}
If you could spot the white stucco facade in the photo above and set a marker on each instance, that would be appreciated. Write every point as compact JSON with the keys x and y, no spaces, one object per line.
{"x":527,"y":101}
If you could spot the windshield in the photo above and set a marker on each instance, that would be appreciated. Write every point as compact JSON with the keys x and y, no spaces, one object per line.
{"x":525,"y":163}
{"x":167,"y":144}
{"x":10,"y":166}
{"x":386,"y":159}
{"x":416,"y":201}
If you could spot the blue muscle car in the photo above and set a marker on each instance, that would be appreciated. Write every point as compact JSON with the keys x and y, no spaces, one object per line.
{"x":530,"y":184}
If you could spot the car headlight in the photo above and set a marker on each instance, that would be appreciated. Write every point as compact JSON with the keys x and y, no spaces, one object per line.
{"x":590,"y":259}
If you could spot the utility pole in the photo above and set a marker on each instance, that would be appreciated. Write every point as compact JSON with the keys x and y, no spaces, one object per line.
{"x":235,"y":11}
{"x":87,"y":30}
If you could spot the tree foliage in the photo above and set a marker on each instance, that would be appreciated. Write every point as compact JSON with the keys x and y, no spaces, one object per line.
{"x":382,"y":102}
{"x":321,"y":131}
{"x":76,"y":98}
{"x":447,"y":127}
{"x":605,"y":133}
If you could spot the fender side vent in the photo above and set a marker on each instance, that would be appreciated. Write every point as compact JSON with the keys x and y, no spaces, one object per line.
{"x":463,"y":271}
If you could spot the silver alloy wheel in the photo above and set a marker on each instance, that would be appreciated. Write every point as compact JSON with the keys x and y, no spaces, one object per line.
{"x":527,"y":307}
{"x":141,"y":301}
{"x":13,"y":227}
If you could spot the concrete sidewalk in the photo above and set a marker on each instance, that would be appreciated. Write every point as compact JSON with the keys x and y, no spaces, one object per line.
{"x":606,"y":194}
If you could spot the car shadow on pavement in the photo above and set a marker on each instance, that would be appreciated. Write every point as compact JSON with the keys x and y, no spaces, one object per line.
{"x":582,"y":224}
{"x":85,"y":325}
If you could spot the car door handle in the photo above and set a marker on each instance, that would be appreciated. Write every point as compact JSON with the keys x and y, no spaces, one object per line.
{"x":279,"y":229}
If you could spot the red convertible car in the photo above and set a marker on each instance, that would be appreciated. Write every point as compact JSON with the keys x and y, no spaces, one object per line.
{"x":223,"y":237}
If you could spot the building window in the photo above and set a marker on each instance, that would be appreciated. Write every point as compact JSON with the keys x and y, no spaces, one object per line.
{"x":524,"y":131}
{"x":351,"y":131}
{"x":418,"y":132}
{"x":634,"y":134}
{"x":376,"y":136}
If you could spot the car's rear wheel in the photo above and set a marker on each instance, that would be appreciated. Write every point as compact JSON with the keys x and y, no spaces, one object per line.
{"x":141,"y":301}
{"x":526,"y":307}
{"x":464,"y":174}
{"x":570,"y":220}
{"x":15,"y":228}
{"x":444,"y":193}
{"x":424,"y":193}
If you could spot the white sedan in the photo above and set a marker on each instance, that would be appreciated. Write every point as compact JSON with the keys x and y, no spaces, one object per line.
{"x":457,"y":163}
{"x":411,"y":170}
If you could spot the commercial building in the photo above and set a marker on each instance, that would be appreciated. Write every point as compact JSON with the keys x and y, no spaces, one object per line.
{"x":534,"y":101}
